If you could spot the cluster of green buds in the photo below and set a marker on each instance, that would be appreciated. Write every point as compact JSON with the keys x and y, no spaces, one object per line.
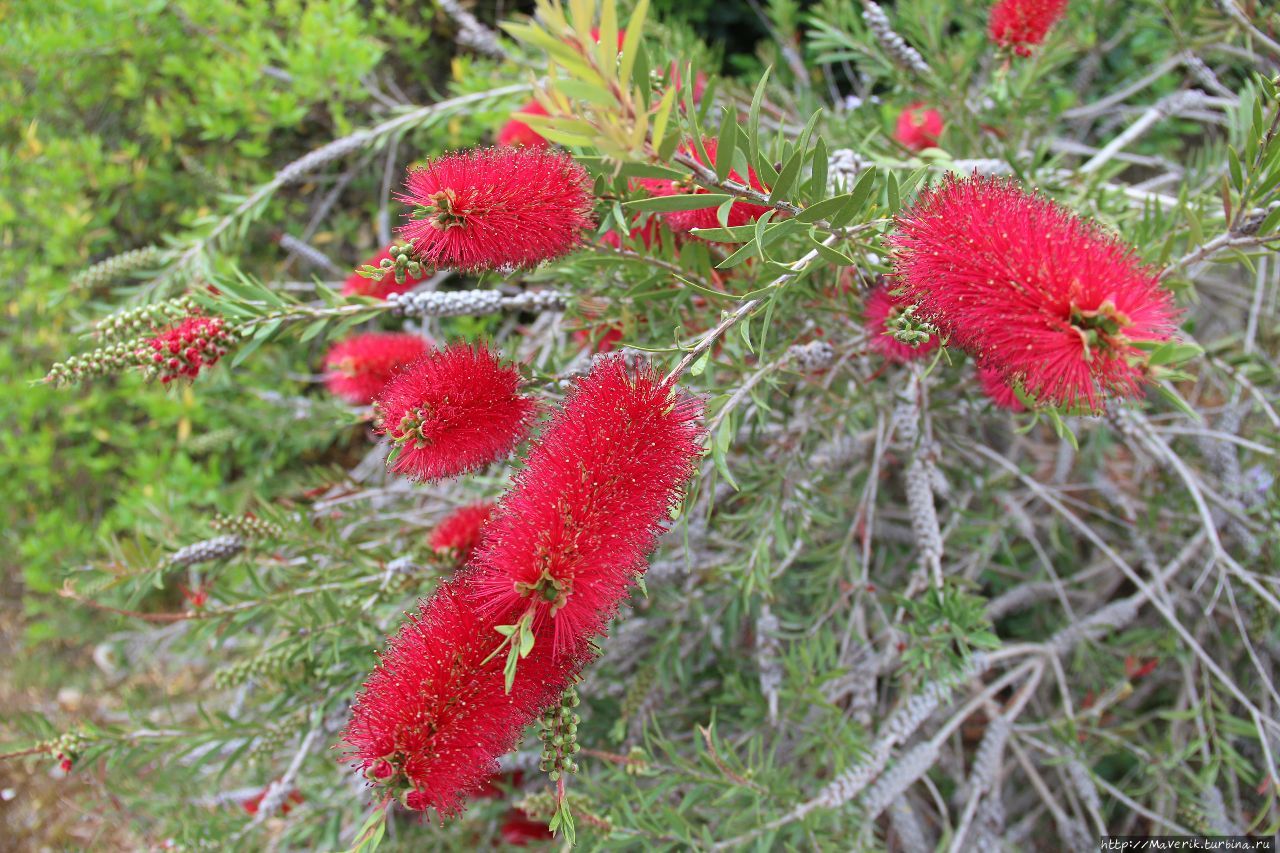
{"x":144,"y":318}
{"x":104,"y":272}
{"x":401,"y":263}
{"x":269,"y":742}
{"x":105,"y":361}
{"x":559,"y":736}
{"x":909,"y":329}
{"x":247,"y":526}
{"x":271,"y":664}
{"x":68,"y":747}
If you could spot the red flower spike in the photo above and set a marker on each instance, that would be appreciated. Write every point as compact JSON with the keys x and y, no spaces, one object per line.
{"x":998,"y":390}
{"x":497,"y":208}
{"x":436,"y":710}
{"x":452,"y":411}
{"x":1030,"y":289}
{"x":460,"y":531}
{"x":252,"y":804}
{"x":879,"y":310}
{"x":918,"y":127}
{"x":358,"y":285}
{"x":358,"y":368}
{"x":574,"y":530}
{"x":187,"y":347}
{"x":740,"y":213}
{"x":1019,"y":24}
{"x":516,"y":132}
{"x":600,"y":339}
{"x":518,"y":829}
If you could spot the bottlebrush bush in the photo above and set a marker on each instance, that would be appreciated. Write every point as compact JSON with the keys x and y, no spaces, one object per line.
{"x":769,"y":472}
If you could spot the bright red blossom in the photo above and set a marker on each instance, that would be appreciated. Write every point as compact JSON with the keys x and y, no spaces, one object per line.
{"x":740,"y":213}
{"x":574,"y":531}
{"x":1018,"y":24}
{"x":187,"y":347}
{"x":879,"y":310}
{"x":460,"y":530}
{"x":918,"y":127}
{"x":358,"y":368}
{"x":1031,"y":290}
{"x":497,"y":208}
{"x":998,"y":390}
{"x":518,"y":829}
{"x":451,"y":411}
{"x":516,"y":132}
{"x":358,"y":285}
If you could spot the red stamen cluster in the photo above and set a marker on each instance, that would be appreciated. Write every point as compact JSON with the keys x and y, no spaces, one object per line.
{"x":451,"y":411}
{"x":1020,"y":24}
{"x":516,"y":132}
{"x":184,"y":349}
{"x":358,"y":368}
{"x":460,"y":531}
{"x":998,"y":390}
{"x":881,"y":308}
{"x":919,"y":127}
{"x":358,"y":285}
{"x":740,"y":213}
{"x":497,"y":208}
{"x":1031,"y":290}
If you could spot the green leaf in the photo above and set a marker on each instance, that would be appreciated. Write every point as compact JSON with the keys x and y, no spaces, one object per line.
{"x":857,"y":199}
{"x":1178,"y":403}
{"x":753,"y":116}
{"x":700,"y":364}
{"x":818,"y":169}
{"x":631,"y":47}
{"x":787,"y":177}
{"x":895,"y":199}
{"x":726,"y":144}
{"x":823,"y":209}
{"x":833,"y":255}
{"x":689,"y":201}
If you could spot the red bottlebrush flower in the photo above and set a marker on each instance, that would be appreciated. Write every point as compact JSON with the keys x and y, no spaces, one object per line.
{"x":648,"y":234}
{"x":198,"y":597}
{"x":187,"y":347}
{"x":499,"y":785}
{"x":881,"y":308}
{"x":919,"y":127}
{"x":358,"y":285}
{"x":518,"y":829}
{"x":1031,"y":290}
{"x":1019,"y":24}
{"x":451,"y":411}
{"x":460,"y":530}
{"x":998,"y":390}
{"x":573,"y":532}
{"x":358,"y":368}
{"x":252,"y":804}
{"x":434,"y":716}
{"x":741,"y":213}
{"x":497,"y":208}
{"x":516,"y":132}
{"x":600,"y":339}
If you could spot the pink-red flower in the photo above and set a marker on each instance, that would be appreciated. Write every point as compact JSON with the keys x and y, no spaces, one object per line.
{"x":574,"y":531}
{"x":459,"y":533}
{"x":1020,"y":24}
{"x":998,"y":390}
{"x":358,"y":285}
{"x":879,"y":311}
{"x":187,"y":347}
{"x":740,"y":213}
{"x":919,"y":127}
{"x":435,"y":715}
{"x":516,"y":132}
{"x":1032,"y":291}
{"x":451,"y":411}
{"x":358,"y":368}
{"x":497,"y":208}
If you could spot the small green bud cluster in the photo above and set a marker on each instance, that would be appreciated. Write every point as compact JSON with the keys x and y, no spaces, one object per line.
{"x":247,"y":526}
{"x":269,"y":743}
{"x":104,"y":361}
{"x":104,"y":272}
{"x":271,"y":663}
{"x":559,"y":736}
{"x":909,"y":329}
{"x":143,"y":319}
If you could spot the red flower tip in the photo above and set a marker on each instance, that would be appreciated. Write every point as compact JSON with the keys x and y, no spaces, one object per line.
{"x":998,"y":390}
{"x":187,"y":347}
{"x":740,"y":213}
{"x":1031,"y":290}
{"x":919,"y":127}
{"x":518,"y":829}
{"x":1018,"y":24}
{"x":453,"y":410}
{"x":64,"y":763}
{"x":573,"y":532}
{"x":516,"y":132}
{"x":881,"y":308}
{"x":198,"y":597}
{"x":358,"y":368}
{"x":358,"y":285}
{"x":252,"y":804}
{"x":460,"y":530}
{"x":435,"y":709}
{"x":497,"y":208}
{"x":622,"y":36}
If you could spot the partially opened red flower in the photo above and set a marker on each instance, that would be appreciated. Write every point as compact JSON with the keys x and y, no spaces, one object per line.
{"x":1021,"y":24}
{"x":358,"y":368}
{"x":451,"y":411}
{"x":740,"y":212}
{"x":919,"y":127}
{"x":459,"y":533}
{"x":574,"y":531}
{"x":497,"y":208}
{"x":187,"y":347}
{"x":516,"y":132}
{"x":878,"y":313}
{"x":998,"y":390}
{"x":358,"y":285}
{"x":1032,"y":291}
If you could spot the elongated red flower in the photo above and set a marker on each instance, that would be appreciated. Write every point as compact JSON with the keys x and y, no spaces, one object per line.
{"x":434,"y":716}
{"x":740,"y":213}
{"x":358,"y":285}
{"x":516,"y":132}
{"x":878,"y":312}
{"x":460,"y":531}
{"x":998,"y":390}
{"x":1030,"y":289}
{"x":919,"y":127}
{"x":187,"y":347}
{"x":451,"y":411}
{"x":497,"y":208}
{"x":1020,"y":24}
{"x":358,"y":368}
{"x":574,"y":531}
